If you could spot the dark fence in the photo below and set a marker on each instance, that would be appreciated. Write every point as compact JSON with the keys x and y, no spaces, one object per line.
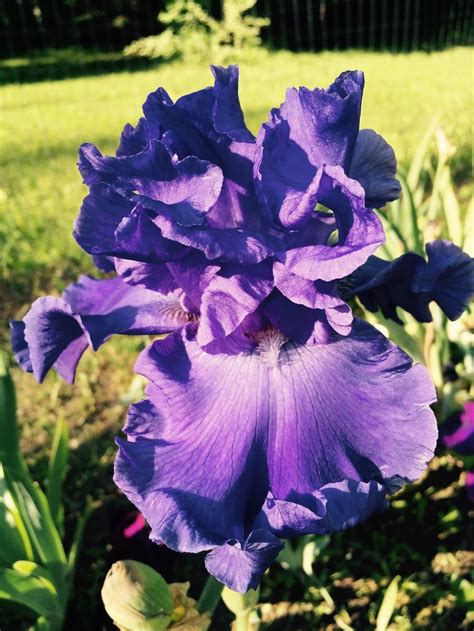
{"x":108,"y":25}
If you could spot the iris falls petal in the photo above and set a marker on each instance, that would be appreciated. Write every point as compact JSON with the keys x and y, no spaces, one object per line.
{"x":292,"y":420}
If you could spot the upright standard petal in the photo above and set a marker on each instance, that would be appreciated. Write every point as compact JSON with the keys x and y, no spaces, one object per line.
{"x":325,"y":123}
{"x":374,"y":166}
{"x":227,"y":114}
{"x":209,"y":124}
{"x":314,"y":128}
{"x":359,"y":232}
{"x":111,"y":225}
{"x":306,"y":417}
{"x":228,"y":301}
{"x":189,"y":186}
{"x":133,"y":139}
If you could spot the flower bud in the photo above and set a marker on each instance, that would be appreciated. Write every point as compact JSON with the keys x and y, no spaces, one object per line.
{"x":136,"y":597}
{"x":237,"y":603}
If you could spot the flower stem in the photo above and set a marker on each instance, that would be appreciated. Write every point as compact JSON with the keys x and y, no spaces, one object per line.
{"x":242,"y":621}
{"x":210,"y":596}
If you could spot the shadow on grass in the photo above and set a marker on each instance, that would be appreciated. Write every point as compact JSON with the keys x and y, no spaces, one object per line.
{"x":54,"y":65}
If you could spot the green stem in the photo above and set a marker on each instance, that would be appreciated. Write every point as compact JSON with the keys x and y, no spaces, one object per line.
{"x":210,"y":596}
{"x":242,"y":621}
{"x":396,"y":230}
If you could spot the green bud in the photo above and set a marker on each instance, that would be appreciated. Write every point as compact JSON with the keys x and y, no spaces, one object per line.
{"x":238,"y":603}
{"x":136,"y":597}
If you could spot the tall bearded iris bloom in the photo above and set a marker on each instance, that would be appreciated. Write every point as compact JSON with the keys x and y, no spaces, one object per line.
{"x":270,"y":411}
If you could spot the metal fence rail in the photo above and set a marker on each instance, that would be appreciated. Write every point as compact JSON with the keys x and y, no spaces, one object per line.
{"x":397,"y":25}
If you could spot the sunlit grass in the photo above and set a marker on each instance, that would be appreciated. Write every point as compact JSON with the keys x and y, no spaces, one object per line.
{"x":43,"y":125}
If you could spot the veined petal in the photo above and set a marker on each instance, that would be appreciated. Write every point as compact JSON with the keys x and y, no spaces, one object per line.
{"x":196,"y":485}
{"x":334,"y":507}
{"x":108,"y":307}
{"x":307,"y":417}
{"x":241,"y":565}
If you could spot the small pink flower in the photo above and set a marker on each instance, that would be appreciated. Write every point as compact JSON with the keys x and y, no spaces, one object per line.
{"x":135,"y":527}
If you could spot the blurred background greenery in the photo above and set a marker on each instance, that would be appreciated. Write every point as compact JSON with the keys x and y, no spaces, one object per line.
{"x":66,"y":80}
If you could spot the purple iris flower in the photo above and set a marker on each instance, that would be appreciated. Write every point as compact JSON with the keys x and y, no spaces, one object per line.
{"x":270,"y":412}
{"x":459,"y":436}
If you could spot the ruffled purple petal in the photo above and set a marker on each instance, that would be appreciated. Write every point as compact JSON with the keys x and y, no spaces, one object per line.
{"x":57,"y":331}
{"x":227,"y":302}
{"x":297,"y":322}
{"x":180,"y":475}
{"x":307,"y":418}
{"x":311,"y":129}
{"x":154,"y":276}
{"x":374,"y":166}
{"x":104,"y":263}
{"x":19,"y":345}
{"x":314,"y":128}
{"x":282,"y":172}
{"x":193,"y":274}
{"x":240,"y":565}
{"x":51,"y":330}
{"x":190,"y":187}
{"x":334,"y":507}
{"x":109,"y":307}
{"x":227,"y":114}
{"x":111,"y":225}
{"x":227,"y":244}
{"x":387,"y":285}
{"x":448,"y":277}
{"x":412,"y":283}
{"x":313,"y":294}
{"x":133,"y":139}
{"x":325,"y":123}
{"x":360,"y":232}
{"x":209,"y":124}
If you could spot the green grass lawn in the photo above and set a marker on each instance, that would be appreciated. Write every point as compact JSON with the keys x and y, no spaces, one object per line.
{"x":44,"y":123}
